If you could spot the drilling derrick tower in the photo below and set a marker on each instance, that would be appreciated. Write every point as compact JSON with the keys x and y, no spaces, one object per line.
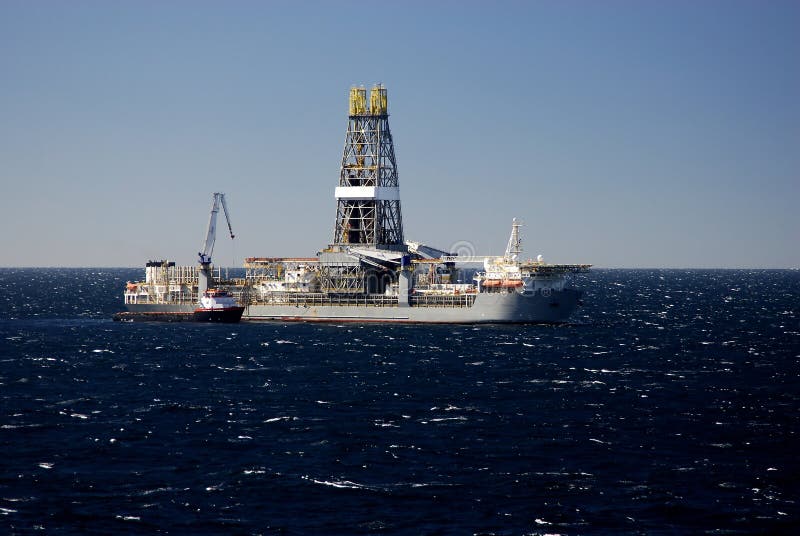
{"x":368,"y":196}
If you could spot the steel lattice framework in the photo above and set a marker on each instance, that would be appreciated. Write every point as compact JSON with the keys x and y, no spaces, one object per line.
{"x":368,"y":199}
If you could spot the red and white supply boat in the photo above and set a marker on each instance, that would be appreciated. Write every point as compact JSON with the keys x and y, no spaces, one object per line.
{"x":218,"y":306}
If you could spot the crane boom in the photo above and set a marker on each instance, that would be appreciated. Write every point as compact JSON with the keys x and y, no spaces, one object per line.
{"x":211,"y":233}
{"x":227,"y":215}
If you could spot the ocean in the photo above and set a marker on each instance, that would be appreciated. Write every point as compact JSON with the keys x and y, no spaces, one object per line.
{"x":670,"y":405}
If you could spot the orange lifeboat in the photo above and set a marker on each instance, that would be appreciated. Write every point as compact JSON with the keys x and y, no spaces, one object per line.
{"x":131,"y":287}
{"x":503,"y":283}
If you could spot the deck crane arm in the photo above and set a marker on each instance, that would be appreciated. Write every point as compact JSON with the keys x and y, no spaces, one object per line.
{"x":211,"y":234}
{"x":227,"y":215}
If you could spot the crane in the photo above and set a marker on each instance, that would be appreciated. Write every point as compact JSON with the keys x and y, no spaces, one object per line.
{"x":211,"y":234}
{"x":204,"y":273}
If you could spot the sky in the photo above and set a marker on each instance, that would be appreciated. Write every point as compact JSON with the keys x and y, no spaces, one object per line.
{"x":623,"y":134}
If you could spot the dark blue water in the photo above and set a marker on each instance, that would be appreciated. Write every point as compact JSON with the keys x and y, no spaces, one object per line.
{"x":671,"y":406}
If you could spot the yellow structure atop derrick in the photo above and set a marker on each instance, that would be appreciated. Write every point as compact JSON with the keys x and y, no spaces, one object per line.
{"x":378,"y":101}
{"x":358,"y":101}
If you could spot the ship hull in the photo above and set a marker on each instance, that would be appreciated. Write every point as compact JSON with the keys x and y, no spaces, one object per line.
{"x":494,"y":308}
{"x":228,"y":315}
{"x":142,"y":314}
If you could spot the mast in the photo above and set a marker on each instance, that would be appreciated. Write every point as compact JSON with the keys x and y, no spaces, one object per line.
{"x":514,"y":247}
{"x":368,"y":195}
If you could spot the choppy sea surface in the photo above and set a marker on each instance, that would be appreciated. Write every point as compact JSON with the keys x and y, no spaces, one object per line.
{"x":671,"y":405}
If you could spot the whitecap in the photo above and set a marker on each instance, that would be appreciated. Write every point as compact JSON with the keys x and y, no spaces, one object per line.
{"x":155,"y":490}
{"x":346,"y":484}
{"x":384,"y":424}
{"x":276,"y":419}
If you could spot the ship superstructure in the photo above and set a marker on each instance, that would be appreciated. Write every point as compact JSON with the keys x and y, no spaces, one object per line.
{"x":370,"y":272}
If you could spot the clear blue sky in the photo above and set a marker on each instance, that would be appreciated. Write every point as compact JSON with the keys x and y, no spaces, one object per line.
{"x":637,"y":134}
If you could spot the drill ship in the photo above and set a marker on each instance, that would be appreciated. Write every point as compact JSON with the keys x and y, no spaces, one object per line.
{"x":369,"y":272}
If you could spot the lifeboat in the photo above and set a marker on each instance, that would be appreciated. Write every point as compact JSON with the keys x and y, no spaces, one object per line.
{"x":131,"y":287}
{"x":502,"y":283}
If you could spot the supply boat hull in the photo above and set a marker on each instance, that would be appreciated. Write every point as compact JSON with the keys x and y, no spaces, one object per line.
{"x":229,"y":315}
